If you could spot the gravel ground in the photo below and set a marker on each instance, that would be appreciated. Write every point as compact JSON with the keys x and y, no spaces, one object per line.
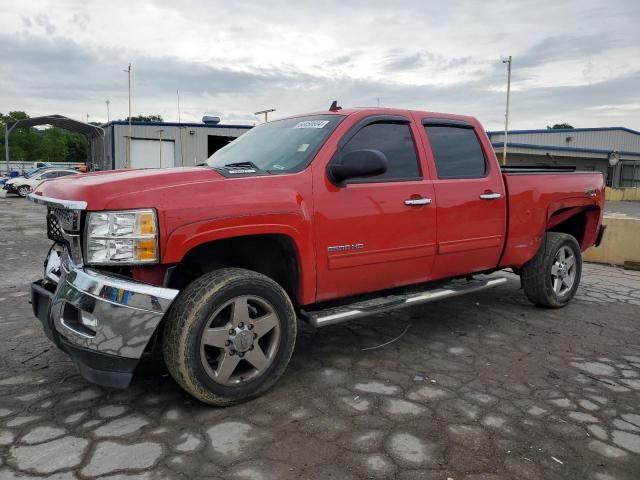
{"x":480,"y":387}
{"x":631,"y":209}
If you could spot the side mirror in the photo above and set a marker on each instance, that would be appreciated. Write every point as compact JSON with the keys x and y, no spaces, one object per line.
{"x":358,"y":163}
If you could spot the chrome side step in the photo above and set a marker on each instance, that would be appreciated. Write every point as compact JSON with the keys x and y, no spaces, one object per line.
{"x":330,"y":316}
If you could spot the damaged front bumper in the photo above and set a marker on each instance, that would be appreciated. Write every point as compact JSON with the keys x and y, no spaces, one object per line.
{"x":103,"y":321}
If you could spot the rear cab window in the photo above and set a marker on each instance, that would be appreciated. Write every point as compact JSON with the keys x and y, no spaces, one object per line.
{"x":457,"y":152}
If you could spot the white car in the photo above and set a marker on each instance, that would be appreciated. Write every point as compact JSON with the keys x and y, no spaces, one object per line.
{"x":25,"y":185}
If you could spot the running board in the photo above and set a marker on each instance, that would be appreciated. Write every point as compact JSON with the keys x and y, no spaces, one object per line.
{"x":330,"y":316}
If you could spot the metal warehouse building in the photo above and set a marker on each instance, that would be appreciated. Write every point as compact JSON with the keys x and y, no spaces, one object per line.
{"x":614,"y":151}
{"x":161,"y":144}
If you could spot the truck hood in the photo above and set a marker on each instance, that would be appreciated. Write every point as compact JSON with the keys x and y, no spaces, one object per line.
{"x":102,"y":188}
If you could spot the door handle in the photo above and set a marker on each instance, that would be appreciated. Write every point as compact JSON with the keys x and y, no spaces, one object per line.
{"x":490,"y":196}
{"x":411,"y":202}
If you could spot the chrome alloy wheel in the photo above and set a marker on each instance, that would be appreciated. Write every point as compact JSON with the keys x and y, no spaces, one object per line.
{"x":241,"y":340}
{"x":563,"y":271}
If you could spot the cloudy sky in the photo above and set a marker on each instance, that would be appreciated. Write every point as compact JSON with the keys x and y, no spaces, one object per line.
{"x":573,"y":61}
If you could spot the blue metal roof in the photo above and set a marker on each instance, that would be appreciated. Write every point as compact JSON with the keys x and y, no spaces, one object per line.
{"x":176,"y":124}
{"x":565,"y":130}
{"x":565,"y":149}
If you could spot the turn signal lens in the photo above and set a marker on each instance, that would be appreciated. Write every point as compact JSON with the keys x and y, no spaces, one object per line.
{"x":146,"y":250}
{"x":146,"y":223}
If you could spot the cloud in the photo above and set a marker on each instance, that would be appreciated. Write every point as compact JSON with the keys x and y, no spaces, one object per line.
{"x":42,"y":20}
{"x":80,"y":20}
{"x":565,"y":47}
{"x":401,"y":60}
{"x":245,"y":56}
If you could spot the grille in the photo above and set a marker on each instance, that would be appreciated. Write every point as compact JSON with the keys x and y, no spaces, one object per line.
{"x":54,"y":231}
{"x":67,"y":219}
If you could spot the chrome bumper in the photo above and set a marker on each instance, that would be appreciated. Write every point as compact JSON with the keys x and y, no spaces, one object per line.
{"x":105,"y":313}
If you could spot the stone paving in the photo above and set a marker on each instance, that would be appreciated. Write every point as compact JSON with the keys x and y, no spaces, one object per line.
{"x":481,"y":387}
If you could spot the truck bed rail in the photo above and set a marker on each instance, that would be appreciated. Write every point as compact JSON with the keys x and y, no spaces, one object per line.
{"x":537,"y":169}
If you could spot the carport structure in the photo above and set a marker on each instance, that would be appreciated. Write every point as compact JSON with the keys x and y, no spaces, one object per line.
{"x":94,"y":134}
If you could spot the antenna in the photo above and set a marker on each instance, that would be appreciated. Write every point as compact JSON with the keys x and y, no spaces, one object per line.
{"x":334,"y":106}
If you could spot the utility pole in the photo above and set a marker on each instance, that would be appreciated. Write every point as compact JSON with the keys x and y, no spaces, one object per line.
{"x":107,"y":102}
{"x":266,"y":113}
{"x":179,"y":114}
{"x":506,"y":115}
{"x":87,"y":118}
{"x":6,"y":145}
{"x":128,"y":161}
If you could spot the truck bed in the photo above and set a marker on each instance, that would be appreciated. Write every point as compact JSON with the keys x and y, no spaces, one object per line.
{"x":533,"y":192}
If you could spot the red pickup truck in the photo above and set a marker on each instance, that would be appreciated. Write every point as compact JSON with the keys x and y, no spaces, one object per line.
{"x":324,"y":218}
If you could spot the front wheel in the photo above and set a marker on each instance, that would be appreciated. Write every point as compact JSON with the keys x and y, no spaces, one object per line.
{"x":229,"y":336}
{"x":551,"y":278}
{"x":24,"y":190}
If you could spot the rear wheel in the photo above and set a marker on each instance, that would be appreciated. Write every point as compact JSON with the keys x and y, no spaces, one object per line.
{"x":552,"y":277}
{"x":229,"y":336}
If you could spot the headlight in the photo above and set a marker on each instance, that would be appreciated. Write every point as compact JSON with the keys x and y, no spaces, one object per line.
{"x":127,"y":237}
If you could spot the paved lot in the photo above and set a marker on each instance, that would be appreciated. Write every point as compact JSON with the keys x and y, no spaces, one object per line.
{"x":481,"y":387}
{"x":631,"y":209}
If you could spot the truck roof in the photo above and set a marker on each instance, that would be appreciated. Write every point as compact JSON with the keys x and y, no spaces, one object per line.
{"x":389,"y":111}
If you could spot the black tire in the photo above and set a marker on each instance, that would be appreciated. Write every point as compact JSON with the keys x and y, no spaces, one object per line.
{"x":536,"y":275}
{"x":23,"y":190}
{"x":192,"y":313}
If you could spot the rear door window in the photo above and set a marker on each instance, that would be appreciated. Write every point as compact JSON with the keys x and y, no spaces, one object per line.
{"x":456,"y":152}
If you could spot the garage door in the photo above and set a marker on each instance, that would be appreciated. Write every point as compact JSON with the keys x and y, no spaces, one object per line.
{"x":146,"y":153}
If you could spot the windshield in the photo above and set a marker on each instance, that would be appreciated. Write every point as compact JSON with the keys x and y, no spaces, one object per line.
{"x":35,"y":171}
{"x":281,"y":146}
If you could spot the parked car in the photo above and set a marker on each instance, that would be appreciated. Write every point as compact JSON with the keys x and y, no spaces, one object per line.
{"x":15,"y":173}
{"x":24,"y":185}
{"x":325,"y":217}
{"x":35,"y":166}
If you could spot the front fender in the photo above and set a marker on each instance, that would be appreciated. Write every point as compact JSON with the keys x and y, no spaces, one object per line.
{"x":187,"y":237}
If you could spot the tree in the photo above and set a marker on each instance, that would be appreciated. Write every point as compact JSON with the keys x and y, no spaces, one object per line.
{"x":558,"y":126}
{"x":23,"y":142}
{"x":55,"y":143}
{"x":77,"y":147}
{"x":145,"y":118}
{"x":28,"y":144}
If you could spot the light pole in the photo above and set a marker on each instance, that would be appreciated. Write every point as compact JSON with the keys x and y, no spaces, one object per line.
{"x":160,"y":132}
{"x":506,"y":115}
{"x":126,"y":165}
{"x":179,"y":114}
{"x":87,"y":118}
{"x":107,"y":102}
{"x":266,"y":113}
{"x":6,"y":145}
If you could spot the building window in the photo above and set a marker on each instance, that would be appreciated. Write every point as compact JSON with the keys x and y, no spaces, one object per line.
{"x":630,"y":174}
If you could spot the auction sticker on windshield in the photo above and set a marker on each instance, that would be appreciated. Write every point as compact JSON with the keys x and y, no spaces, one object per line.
{"x":311,"y":124}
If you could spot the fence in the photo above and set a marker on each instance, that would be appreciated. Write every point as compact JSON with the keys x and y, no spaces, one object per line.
{"x":25,"y":166}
